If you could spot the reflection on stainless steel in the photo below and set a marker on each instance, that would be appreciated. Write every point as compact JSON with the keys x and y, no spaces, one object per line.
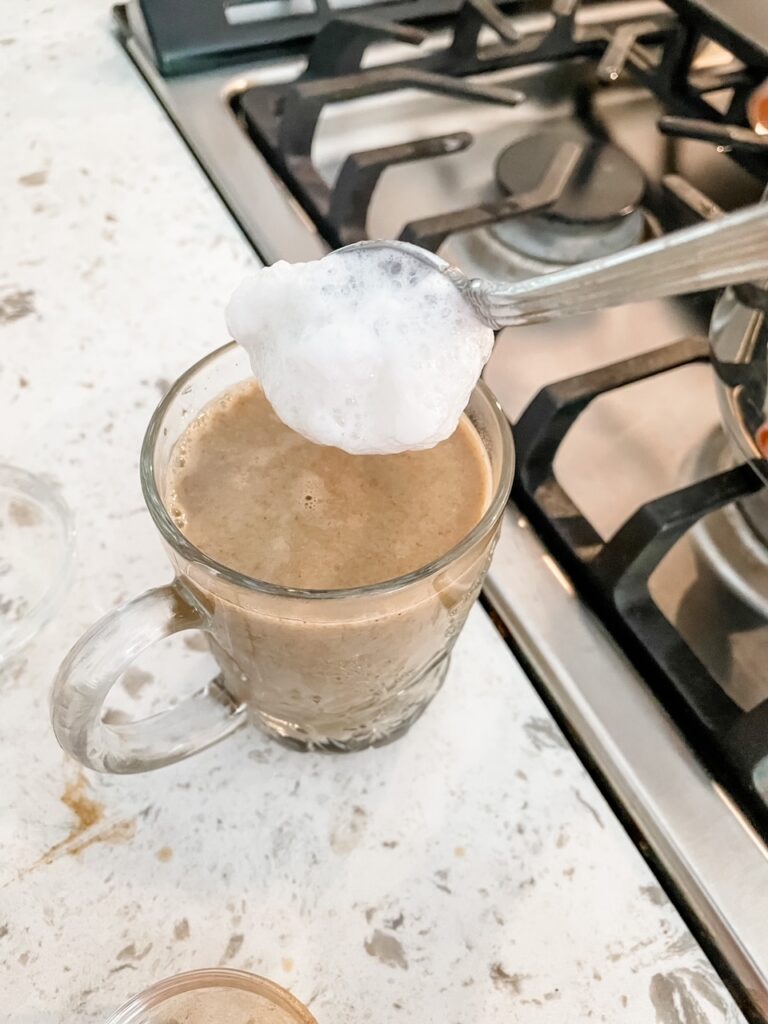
{"x":695,"y":588}
{"x":739,"y":336}
{"x":732,"y":542}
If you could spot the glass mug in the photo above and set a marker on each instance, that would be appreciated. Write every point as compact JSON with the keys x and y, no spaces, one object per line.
{"x":321,"y":669}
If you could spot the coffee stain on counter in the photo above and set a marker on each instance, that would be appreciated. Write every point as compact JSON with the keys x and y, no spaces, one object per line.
{"x":86,"y":810}
{"x":120,"y":832}
{"x":88,"y":828}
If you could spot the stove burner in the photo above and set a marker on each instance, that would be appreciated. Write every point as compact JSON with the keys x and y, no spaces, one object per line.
{"x":597,"y":212}
{"x":606,"y":185}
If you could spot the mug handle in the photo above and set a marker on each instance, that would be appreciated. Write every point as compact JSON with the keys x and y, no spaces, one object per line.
{"x":95,"y":664}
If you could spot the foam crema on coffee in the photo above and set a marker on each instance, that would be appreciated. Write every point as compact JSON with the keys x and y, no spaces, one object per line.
{"x":367,"y":350}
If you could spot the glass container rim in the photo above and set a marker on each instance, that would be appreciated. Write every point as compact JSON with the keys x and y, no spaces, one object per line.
{"x":208,"y":977}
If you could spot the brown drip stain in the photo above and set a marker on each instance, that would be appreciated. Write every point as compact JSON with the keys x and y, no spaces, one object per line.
{"x":120,"y":832}
{"x":88,"y":813}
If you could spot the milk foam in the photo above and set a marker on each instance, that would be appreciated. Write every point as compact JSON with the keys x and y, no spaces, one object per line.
{"x":366,"y":350}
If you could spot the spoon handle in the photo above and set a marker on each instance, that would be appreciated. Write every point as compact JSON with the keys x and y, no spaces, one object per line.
{"x":729,"y":250}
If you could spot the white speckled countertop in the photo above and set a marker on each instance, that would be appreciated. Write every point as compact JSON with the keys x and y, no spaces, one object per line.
{"x":468,"y":874}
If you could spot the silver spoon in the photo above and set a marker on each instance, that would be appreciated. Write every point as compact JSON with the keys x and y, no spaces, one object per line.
{"x":729,"y":250}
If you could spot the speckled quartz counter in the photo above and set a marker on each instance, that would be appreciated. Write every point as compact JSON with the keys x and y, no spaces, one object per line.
{"x":468,"y":874}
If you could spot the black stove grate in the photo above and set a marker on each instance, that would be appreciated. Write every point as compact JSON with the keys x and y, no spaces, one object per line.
{"x":282,"y":119}
{"x":613,"y":576}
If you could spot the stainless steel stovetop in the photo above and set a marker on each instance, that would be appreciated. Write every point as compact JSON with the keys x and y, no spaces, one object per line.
{"x":629,"y":446}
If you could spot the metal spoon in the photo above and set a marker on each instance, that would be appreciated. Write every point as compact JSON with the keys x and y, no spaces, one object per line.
{"x":729,"y":250}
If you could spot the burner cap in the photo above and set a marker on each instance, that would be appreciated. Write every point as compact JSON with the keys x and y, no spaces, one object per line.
{"x":606,"y":185}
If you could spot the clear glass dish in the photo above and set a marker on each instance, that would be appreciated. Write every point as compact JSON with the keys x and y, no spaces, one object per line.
{"x":36,"y":548}
{"x":214,"y":996}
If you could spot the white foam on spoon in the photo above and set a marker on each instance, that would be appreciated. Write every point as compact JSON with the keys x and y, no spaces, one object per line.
{"x":365,"y":350}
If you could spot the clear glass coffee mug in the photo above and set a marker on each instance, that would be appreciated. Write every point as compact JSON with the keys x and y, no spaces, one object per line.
{"x":328,"y":669}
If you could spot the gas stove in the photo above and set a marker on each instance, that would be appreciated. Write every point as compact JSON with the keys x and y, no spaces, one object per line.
{"x":631,"y":578}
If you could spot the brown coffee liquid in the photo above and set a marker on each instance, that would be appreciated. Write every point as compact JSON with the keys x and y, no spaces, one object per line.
{"x":257,"y":497}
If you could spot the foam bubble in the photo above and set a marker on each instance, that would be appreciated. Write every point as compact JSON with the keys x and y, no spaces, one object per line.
{"x":366,"y":350}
